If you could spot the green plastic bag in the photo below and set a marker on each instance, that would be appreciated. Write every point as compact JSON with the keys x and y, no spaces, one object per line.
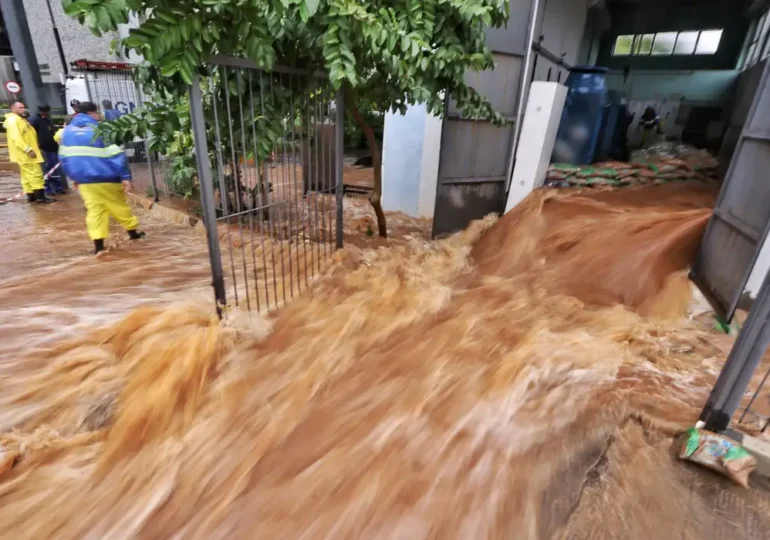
{"x":718,"y":453}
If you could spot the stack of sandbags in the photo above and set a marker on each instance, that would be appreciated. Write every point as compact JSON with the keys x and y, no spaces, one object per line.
{"x":659,"y":164}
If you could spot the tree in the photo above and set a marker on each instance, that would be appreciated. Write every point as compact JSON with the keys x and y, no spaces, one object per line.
{"x":385,"y":52}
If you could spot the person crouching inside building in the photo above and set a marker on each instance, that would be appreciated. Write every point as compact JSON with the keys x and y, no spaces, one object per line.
{"x":24,"y":151}
{"x":100,"y":174}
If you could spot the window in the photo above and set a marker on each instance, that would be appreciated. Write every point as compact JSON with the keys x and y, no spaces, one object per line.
{"x":701,"y":42}
{"x":758,"y":45}
{"x":708,"y":42}
{"x":644,"y":44}
{"x":685,"y":43}
{"x":623,"y":46}
{"x":664,"y":43}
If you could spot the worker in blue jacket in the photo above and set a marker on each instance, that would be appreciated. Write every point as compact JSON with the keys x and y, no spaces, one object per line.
{"x":101,"y":175}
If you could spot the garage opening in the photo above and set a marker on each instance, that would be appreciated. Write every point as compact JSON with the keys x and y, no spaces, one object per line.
{"x":641,"y":93}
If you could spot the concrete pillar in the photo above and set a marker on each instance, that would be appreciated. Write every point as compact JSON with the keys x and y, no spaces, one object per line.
{"x":410,"y":155}
{"x":23,"y":51}
{"x":538,"y":134}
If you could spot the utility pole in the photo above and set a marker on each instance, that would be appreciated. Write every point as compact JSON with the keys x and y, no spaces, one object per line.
{"x":57,"y":38}
{"x":23,"y":51}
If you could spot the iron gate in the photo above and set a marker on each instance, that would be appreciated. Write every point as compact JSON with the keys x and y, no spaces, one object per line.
{"x":728,"y":252}
{"x":268,"y":148}
{"x":475,"y":160}
{"x":739,"y":225}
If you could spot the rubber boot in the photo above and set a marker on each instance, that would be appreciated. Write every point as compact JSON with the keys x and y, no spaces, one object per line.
{"x":31,"y":197}
{"x":98,"y":246}
{"x":41,"y":198}
{"x":135,"y":235}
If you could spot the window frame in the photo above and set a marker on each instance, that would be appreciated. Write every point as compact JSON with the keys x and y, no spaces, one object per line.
{"x":636,"y":43}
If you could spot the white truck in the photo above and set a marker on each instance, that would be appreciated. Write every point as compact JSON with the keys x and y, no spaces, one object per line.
{"x":109,"y":85}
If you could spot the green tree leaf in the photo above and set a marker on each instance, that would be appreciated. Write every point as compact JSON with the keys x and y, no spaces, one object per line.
{"x":311,"y":6}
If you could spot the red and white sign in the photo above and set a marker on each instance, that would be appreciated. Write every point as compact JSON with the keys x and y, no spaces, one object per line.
{"x":13,"y":87}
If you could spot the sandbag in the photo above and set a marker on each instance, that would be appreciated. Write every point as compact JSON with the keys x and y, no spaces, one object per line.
{"x":718,"y":453}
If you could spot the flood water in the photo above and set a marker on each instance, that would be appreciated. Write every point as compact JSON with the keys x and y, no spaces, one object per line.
{"x":51,"y":284}
{"x":523,"y":379}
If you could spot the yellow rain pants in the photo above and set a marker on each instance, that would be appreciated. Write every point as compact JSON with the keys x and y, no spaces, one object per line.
{"x":102,"y":201}
{"x":31,"y":177}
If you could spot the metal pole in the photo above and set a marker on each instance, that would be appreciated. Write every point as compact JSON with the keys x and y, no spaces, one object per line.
{"x":57,"y":38}
{"x":152,"y":168}
{"x":744,"y":358}
{"x":524,"y":84}
{"x":207,"y":193}
{"x":140,"y":100}
{"x":339,"y":141}
{"x":23,"y":51}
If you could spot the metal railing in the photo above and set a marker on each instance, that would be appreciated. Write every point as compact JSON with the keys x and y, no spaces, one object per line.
{"x":268,"y":149}
{"x":737,"y":401}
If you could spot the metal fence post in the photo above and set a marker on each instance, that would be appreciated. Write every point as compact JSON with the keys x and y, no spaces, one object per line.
{"x":152,"y":170}
{"x":339,"y":144}
{"x":140,"y":99}
{"x":205,"y":180}
{"x":744,"y":358}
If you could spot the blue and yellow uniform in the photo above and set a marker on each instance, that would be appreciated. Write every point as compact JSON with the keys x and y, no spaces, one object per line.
{"x":98,"y":170}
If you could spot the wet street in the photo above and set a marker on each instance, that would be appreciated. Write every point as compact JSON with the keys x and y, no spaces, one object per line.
{"x":51,"y":284}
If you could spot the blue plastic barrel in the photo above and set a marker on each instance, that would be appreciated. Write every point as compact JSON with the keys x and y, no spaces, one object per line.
{"x":612,"y":136}
{"x":581,"y":120}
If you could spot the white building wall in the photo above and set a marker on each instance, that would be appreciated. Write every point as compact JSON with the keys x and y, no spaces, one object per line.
{"x":77,"y":40}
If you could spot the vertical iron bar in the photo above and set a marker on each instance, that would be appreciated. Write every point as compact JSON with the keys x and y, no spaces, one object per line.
{"x":339,"y":139}
{"x":743,"y":360}
{"x":245,"y":167}
{"x":207,"y":193}
{"x":262,"y":184}
{"x":269,"y":195}
{"x":225,"y":194}
{"x":278,"y":209}
{"x":147,"y":149}
{"x":299,"y":219}
{"x":331,"y":175}
{"x":324,"y":173}
{"x":284,"y":175}
{"x":317,"y":136}
{"x":308,"y":178}
{"x":754,"y":396}
{"x":236,"y":181}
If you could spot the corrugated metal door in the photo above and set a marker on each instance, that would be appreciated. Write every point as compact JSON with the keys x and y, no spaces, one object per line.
{"x":475,"y":156}
{"x":741,"y":217}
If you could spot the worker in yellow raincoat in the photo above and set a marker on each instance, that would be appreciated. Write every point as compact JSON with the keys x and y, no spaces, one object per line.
{"x":23,"y":150}
{"x":101,"y":175}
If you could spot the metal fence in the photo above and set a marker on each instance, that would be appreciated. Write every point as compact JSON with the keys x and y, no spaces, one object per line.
{"x":740,"y":400}
{"x":269,"y":153}
{"x":116,"y":94}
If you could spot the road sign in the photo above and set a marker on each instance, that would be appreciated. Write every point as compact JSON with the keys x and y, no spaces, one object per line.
{"x":13,"y":87}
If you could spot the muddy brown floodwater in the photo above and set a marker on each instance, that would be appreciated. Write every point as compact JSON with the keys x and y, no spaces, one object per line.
{"x":522,"y":379}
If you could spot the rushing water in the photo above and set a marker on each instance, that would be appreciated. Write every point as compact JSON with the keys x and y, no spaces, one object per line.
{"x":51,"y":284}
{"x":459,"y":389}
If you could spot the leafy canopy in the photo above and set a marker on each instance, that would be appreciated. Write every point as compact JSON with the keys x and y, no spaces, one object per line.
{"x":390,"y":52}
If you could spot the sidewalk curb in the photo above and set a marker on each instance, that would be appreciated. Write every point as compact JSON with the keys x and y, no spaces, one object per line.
{"x":161,"y":212}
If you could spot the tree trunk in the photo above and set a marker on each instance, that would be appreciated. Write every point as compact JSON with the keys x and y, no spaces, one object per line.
{"x":351,"y":104}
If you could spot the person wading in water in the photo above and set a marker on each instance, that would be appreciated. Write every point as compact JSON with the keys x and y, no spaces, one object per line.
{"x":101,"y":175}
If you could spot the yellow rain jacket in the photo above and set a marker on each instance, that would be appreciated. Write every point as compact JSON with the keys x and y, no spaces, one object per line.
{"x":21,"y":139}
